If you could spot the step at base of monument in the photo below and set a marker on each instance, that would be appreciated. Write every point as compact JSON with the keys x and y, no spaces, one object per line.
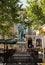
{"x":21,"y":63}
{"x":23,"y":58}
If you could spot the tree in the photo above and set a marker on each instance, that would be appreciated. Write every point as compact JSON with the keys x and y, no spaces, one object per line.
{"x":8,"y":14}
{"x":9,"y":10}
{"x":35,"y":11}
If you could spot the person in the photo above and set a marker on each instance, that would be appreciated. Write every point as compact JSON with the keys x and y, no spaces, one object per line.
{"x":30,"y":45}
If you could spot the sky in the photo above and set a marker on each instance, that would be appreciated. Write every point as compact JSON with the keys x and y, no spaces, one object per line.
{"x":24,"y":2}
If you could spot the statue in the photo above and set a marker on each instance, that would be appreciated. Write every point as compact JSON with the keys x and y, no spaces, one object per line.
{"x":21,"y":30}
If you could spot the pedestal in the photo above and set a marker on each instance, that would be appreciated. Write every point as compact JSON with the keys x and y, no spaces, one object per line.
{"x":21,"y":46}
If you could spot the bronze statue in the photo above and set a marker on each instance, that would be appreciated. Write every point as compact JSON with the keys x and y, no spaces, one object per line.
{"x":21,"y":30}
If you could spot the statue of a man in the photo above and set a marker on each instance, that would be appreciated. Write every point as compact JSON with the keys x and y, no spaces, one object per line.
{"x":21,"y":29}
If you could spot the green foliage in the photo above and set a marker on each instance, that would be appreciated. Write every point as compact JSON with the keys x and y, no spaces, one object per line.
{"x":9,"y":10}
{"x":35,"y":11}
{"x":8,"y":14}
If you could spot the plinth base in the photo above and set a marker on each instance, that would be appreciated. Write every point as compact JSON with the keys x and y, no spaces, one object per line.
{"x":21,"y":46}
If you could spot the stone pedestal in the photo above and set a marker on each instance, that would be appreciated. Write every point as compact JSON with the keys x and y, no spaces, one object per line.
{"x":21,"y":46}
